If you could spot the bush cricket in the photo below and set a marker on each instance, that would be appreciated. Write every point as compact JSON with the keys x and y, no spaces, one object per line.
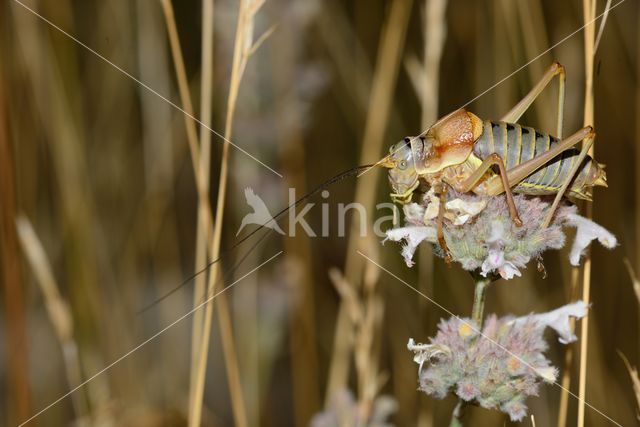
{"x":460,"y":151}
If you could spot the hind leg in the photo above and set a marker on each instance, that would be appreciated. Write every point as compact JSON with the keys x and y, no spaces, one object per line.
{"x":588,"y":142}
{"x":518,"y":110}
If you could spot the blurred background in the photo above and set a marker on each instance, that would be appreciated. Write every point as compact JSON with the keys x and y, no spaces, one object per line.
{"x":101,"y":212}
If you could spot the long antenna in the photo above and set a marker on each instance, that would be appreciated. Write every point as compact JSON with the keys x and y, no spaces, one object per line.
{"x":337,"y":178}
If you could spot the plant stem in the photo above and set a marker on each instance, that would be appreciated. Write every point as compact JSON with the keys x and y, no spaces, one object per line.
{"x":477,"y":315}
{"x":203,"y":175}
{"x":478,"y":299}
{"x":241,"y":53}
{"x":11,"y":277}
{"x":457,"y":414}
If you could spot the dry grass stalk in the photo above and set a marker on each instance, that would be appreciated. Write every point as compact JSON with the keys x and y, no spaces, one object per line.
{"x":590,"y":47}
{"x":589,"y":13}
{"x":183,"y":88}
{"x":204,"y":222}
{"x":62,"y":124}
{"x":605,"y":15}
{"x":57,"y":308}
{"x":243,"y":49}
{"x":633,"y":372}
{"x":637,"y":160}
{"x":634,"y":279}
{"x":17,"y":353}
{"x":201,"y":180}
{"x":365,"y":311}
{"x":202,"y":184}
{"x":425,"y":76}
{"x":388,"y":63}
{"x":202,"y":322}
{"x":563,"y":411}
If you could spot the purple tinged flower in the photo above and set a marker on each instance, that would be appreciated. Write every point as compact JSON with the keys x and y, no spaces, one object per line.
{"x":481,"y":235}
{"x":467,"y":391}
{"x":498,"y":368}
{"x":516,"y":409}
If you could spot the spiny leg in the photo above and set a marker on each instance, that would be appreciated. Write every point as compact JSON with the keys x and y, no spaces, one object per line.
{"x":556,"y":69}
{"x":470,"y":183}
{"x":442,"y":192}
{"x":588,"y":142}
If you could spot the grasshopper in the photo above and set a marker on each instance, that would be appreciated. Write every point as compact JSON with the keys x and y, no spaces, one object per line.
{"x":463,"y":152}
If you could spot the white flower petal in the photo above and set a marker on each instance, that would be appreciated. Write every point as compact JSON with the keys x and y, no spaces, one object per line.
{"x":431,"y":212}
{"x":461,"y":219}
{"x":413,"y":236}
{"x":549,"y":374}
{"x":494,"y":259}
{"x":471,"y":208}
{"x":431,"y":204}
{"x":508,"y":271}
{"x":457,"y":211}
{"x":413,"y":211}
{"x":586,"y":232}
{"x":495,"y":262}
{"x":424,"y":352}
{"x":558,"y":319}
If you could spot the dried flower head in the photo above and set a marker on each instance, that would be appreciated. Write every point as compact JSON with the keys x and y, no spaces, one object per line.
{"x":498,"y":368}
{"x":481,"y":235}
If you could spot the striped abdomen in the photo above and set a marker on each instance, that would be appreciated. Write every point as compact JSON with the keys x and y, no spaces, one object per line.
{"x":516,"y":144}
